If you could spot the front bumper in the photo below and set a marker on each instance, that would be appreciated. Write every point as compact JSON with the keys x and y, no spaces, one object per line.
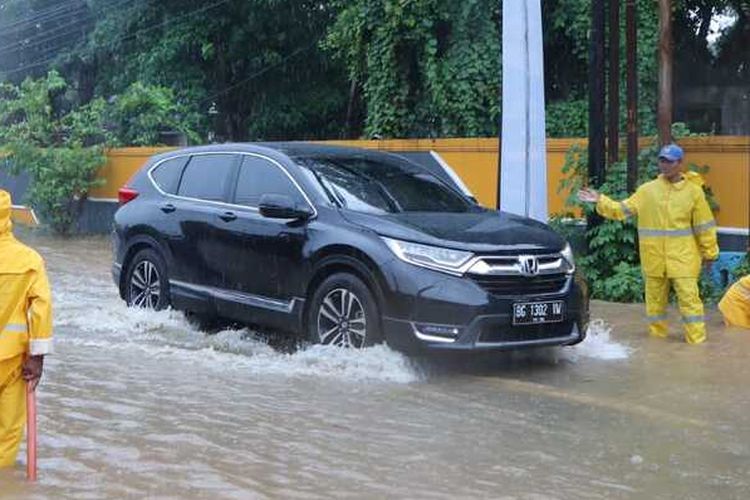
{"x":467,"y":317}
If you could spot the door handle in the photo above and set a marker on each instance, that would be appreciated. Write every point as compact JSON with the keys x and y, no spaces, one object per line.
{"x":168,"y":208}
{"x":228,"y":216}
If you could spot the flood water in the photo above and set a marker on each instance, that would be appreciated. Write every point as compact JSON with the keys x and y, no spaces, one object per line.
{"x":139,"y":404}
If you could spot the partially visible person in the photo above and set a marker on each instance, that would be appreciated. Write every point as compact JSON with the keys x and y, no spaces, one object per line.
{"x":735,"y":304}
{"x":676,"y":233}
{"x":25,"y":330}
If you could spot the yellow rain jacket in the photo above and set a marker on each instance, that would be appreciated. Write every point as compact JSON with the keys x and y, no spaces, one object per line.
{"x":735,"y":305}
{"x":25,"y":302}
{"x":676,"y":229}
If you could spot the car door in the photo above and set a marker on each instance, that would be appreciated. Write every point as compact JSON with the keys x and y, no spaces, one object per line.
{"x":266,"y":254}
{"x":201,"y":206}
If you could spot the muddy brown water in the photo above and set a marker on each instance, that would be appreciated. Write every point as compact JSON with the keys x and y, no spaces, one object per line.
{"x":139,"y":404}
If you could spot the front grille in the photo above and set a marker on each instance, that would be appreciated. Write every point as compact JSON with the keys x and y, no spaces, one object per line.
{"x":521,"y":285}
{"x":497,"y":333}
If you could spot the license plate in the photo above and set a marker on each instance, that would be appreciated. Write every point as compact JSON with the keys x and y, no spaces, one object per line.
{"x":532,"y":313}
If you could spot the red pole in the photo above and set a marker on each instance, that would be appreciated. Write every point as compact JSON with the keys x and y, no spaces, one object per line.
{"x":30,"y":433}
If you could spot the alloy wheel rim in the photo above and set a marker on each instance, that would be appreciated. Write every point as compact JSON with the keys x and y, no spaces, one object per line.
{"x":145,"y":285}
{"x":341,"y":319}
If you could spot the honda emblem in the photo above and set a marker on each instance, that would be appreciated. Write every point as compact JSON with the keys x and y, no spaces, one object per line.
{"x":529,"y":265}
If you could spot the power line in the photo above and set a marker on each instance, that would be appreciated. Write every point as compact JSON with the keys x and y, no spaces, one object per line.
{"x":45,"y":36}
{"x":42,"y":62}
{"x":39,"y":17}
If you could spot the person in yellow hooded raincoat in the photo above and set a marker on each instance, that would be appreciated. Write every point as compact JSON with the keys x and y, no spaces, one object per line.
{"x":25,"y":330}
{"x":735,"y":305}
{"x":677,"y":234}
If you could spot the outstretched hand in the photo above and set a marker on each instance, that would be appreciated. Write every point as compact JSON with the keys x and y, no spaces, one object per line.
{"x":588,"y":195}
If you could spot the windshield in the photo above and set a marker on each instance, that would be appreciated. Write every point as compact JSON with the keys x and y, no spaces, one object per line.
{"x":377,"y":186}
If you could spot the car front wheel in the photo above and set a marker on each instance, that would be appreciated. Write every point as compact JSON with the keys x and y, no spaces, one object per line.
{"x":344,"y":313}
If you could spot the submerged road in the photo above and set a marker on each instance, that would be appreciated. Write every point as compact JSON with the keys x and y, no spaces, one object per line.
{"x":139,"y":404}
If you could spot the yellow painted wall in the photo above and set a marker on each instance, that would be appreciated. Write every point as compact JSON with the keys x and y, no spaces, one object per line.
{"x":23,"y":216}
{"x":121,"y":164}
{"x":475,"y":161}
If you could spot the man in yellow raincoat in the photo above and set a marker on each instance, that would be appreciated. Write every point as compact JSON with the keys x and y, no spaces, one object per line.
{"x":676,"y":232}
{"x":735,"y":305}
{"x":25,"y":330}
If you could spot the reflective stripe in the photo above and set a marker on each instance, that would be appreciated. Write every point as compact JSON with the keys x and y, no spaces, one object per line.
{"x":665,"y":232}
{"x":16,"y":327}
{"x":704,"y":227}
{"x":693,"y":319}
{"x":657,"y":318}
{"x":625,"y":209}
{"x":676,"y":232}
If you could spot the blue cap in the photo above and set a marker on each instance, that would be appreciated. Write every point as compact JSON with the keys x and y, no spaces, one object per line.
{"x":671,"y":152}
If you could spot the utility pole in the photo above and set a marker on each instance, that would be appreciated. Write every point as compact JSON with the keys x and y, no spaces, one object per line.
{"x":665,"y":71}
{"x":613,"y":130}
{"x":631,"y":37}
{"x":596,"y":94}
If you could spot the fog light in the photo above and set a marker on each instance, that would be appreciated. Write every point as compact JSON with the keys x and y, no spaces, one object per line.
{"x":436,"y":333}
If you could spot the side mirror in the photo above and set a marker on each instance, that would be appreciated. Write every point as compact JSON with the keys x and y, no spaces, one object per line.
{"x":280,"y":206}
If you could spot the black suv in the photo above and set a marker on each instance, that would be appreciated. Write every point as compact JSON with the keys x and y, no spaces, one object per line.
{"x":344,"y":246}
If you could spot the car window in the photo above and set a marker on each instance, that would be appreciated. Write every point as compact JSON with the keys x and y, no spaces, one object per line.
{"x":167,"y":174}
{"x":206,"y":177}
{"x":258,"y":177}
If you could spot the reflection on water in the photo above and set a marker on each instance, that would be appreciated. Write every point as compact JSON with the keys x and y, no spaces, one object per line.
{"x":138,"y":403}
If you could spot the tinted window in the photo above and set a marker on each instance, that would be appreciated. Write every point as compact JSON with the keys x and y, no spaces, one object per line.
{"x":167,"y":174}
{"x":382,"y":186}
{"x":258,"y":177}
{"x":206,"y":177}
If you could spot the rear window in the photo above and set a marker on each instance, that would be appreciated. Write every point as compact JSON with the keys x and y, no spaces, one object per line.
{"x":167,"y":174}
{"x":206,"y":177}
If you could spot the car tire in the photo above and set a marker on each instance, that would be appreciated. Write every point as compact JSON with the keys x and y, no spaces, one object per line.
{"x":343,"y":312}
{"x":146,"y":282}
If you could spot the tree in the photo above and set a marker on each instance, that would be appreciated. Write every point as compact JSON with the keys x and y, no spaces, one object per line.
{"x":258,"y":62}
{"x":428,"y":68}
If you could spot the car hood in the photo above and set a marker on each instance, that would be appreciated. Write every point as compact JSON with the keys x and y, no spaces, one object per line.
{"x":481,"y":231}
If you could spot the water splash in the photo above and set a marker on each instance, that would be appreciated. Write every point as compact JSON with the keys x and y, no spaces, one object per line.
{"x":90,"y":314}
{"x":599,"y":345}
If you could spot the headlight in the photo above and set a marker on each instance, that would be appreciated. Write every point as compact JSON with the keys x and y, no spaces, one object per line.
{"x":437,"y":258}
{"x":567,"y":254}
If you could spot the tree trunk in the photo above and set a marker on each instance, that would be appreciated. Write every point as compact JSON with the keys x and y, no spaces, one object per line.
{"x":631,"y":35}
{"x":665,"y":71}
{"x":596,"y":94}
{"x":613,"y":130}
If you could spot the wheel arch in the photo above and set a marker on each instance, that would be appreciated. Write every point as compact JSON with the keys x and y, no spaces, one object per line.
{"x":346,"y":259}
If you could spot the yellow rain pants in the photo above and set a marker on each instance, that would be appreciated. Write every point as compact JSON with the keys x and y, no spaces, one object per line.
{"x":676,"y":232}
{"x":12,"y":409}
{"x":735,"y":305}
{"x":688,"y":298}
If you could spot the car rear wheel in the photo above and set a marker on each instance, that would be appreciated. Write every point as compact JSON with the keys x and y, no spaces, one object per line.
{"x":344,"y":313}
{"x":146,"y":283}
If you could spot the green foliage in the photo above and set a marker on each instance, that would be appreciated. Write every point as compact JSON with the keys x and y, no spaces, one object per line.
{"x":142,"y":112}
{"x":49,"y":145}
{"x":426,"y":68}
{"x":256,"y":62}
{"x":743,"y":269}
{"x":567,"y":118}
{"x":61,"y":178}
{"x":610,"y":261}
